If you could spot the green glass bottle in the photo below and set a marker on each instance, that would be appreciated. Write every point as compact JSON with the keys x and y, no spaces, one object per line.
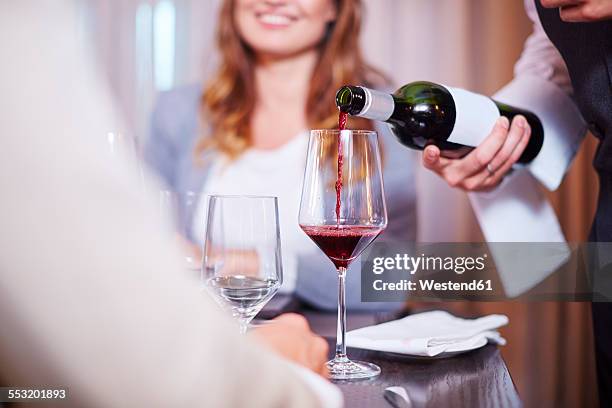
{"x":423,"y":113}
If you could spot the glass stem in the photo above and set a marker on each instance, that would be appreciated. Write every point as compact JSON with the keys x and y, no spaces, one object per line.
{"x":244,"y":325}
{"x":341,"y":328}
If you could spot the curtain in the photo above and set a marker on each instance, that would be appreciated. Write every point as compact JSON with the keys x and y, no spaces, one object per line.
{"x":147,"y":46}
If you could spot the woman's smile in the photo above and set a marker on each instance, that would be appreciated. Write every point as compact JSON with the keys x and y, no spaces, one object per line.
{"x":274,"y":19}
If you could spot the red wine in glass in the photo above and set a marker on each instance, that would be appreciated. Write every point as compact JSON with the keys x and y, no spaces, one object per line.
{"x":342,"y":243}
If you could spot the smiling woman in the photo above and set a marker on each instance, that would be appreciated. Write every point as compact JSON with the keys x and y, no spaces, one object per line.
{"x":246,"y":131}
{"x":287,"y":53}
{"x":284,"y":30}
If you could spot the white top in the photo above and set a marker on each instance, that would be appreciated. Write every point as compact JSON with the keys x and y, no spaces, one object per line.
{"x":278,"y":172}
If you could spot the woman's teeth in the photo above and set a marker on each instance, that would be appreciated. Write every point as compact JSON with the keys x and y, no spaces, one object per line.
{"x":274,"y":19}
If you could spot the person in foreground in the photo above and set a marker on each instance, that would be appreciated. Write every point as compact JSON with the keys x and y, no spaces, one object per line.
{"x":570,"y":49}
{"x":281,"y":63}
{"x":92,"y":297}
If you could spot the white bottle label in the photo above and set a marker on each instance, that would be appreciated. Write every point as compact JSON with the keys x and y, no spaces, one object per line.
{"x":379,"y":105}
{"x":475,"y":117}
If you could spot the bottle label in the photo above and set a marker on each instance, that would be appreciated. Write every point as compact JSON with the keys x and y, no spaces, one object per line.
{"x":475,"y":117}
{"x":378,"y":105}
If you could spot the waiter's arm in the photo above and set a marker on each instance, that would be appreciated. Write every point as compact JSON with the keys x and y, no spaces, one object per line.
{"x":541,"y":83}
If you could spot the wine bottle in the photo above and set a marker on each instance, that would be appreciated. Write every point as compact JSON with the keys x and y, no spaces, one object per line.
{"x":423,"y":113}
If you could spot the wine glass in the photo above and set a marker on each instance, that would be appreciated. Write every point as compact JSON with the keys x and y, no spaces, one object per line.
{"x":343,"y":210}
{"x":242,"y":254}
{"x":181,"y":207}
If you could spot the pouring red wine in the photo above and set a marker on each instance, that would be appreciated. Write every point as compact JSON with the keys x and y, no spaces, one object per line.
{"x":343,"y":220}
{"x":342,"y":117}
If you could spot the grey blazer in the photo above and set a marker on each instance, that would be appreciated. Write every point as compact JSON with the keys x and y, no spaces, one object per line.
{"x":169,"y":151}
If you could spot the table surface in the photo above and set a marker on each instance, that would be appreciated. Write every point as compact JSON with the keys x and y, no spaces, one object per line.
{"x":478,"y":378}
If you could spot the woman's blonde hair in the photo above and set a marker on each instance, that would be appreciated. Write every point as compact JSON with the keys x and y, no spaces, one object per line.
{"x":228,"y":100}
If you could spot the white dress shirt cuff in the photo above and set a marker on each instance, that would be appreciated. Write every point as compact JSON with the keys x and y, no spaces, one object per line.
{"x":564,"y":127}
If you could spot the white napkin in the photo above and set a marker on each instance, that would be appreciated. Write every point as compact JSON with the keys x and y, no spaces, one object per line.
{"x":429,"y":334}
{"x":518,"y":211}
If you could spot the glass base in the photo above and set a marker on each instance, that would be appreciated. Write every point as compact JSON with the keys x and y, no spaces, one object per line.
{"x":347,"y":370}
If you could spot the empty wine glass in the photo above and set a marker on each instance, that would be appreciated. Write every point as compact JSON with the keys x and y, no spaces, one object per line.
{"x":242,"y":254}
{"x":181,"y":207}
{"x":343,"y":210}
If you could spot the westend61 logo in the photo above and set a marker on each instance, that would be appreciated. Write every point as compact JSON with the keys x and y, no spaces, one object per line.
{"x":413,"y":264}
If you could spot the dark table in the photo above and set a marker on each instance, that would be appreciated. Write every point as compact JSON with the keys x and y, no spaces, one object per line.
{"x":479,"y":378}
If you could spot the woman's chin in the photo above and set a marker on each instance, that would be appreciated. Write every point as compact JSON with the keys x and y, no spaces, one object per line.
{"x":270,"y":53}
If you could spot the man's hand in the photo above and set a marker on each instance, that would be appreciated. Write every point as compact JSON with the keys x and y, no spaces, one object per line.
{"x":574,"y":11}
{"x":289,"y":335}
{"x":485,"y":166}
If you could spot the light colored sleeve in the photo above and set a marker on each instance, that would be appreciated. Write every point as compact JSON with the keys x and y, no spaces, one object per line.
{"x":173,"y":124}
{"x":542,"y":85}
{"x":160,"y":150}
{"x":92,"y":296}
{"x":517,"y":210}
{"x":540,"y":57}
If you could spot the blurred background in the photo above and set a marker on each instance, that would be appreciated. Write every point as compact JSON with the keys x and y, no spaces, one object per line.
{"x":147,"y":46}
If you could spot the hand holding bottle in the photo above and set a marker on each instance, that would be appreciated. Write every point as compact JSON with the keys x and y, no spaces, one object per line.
{"x":424,"y":113}
{"x":453,"y":128}
{"x":484,"y":167}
